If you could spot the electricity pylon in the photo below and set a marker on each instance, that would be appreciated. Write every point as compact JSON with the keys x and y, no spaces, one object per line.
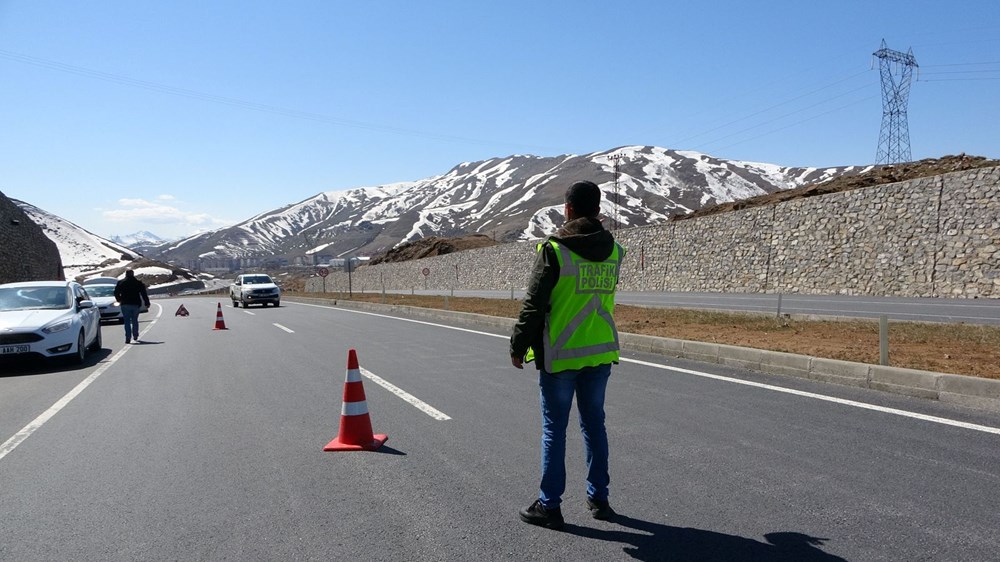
{"x":896,"y":70}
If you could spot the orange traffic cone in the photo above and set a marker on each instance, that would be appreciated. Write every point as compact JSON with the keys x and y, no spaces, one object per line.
{"x":182,"y":311}
{"x":355,"y":426}
{"x":220,"y":324}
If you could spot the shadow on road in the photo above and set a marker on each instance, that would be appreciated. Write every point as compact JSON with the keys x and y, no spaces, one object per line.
{"x":654,"y":541}
{"x":35,"y":365}
{"x":387,"y":450}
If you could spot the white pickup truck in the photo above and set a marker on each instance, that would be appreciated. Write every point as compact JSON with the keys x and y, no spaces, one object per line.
{"x":254,"y":288}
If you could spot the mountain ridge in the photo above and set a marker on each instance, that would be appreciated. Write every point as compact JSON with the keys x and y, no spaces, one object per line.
{"x":510,"y":198}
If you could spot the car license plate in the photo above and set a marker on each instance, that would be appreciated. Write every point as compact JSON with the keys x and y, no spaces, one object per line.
{"x":14,"y":349}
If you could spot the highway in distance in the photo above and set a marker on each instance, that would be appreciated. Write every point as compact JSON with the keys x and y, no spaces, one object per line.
{"x":204,"y":444}
{"x":948,"y":310}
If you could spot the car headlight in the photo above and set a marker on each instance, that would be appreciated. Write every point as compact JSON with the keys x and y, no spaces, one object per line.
{"x":58,"y":327}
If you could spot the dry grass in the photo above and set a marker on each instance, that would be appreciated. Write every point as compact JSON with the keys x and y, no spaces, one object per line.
{"x":947,"y":348}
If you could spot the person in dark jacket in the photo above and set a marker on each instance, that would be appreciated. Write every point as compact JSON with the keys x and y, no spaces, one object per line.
{"x":131,"y":295}
{"x":566,"y":326}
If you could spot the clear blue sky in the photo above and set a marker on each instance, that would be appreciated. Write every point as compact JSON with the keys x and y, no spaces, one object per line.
{"x":179,"y":116}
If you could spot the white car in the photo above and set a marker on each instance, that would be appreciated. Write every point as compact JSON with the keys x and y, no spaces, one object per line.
{"x":103,"y":295}
{"x":254,"y":288}
{"x":48,"y":319}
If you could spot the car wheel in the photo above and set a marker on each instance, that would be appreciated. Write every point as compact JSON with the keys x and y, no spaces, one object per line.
{"x":81,"y":351}
{"x":236,"y":303}
{"x":96,"y":346}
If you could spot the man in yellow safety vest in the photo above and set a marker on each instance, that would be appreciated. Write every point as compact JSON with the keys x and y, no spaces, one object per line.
{"x":567,"y":327}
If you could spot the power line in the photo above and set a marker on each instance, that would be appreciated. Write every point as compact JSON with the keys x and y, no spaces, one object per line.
{"x":244,"y":104}
{"x":780,"y":117}
{"x":766,"y":109}
{"x":956,"y":79}
{"x":790,"y":125}
{"x":961,"y":64}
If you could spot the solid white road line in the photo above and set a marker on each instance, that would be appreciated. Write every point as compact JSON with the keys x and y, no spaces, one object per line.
{"x":855,"y":404}
{"x":19,"y":437}
{"x":894,"y":411}
{"x":289,"y":330}
{"x":406,"y":396}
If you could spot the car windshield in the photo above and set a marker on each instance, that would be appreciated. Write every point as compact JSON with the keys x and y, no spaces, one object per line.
{"x":100,"y":290}
{"x":257,"y":279}
{"x":28,"y":298}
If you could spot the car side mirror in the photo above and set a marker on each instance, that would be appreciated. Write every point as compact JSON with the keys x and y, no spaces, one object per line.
{"x":85,"y":304}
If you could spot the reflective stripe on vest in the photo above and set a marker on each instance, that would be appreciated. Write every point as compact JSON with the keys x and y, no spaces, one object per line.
{"x":589,"y":294}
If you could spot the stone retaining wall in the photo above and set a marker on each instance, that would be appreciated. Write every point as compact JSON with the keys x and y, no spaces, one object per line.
{"x":936,"y":236}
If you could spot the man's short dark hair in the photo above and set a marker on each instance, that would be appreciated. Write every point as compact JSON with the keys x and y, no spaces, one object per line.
{"x":585,"y":198}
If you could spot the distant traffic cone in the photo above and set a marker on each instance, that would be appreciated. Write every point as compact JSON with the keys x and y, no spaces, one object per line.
{"x":182,"y":311}
{"x":355,"y":426}
{"x":220,"y":324}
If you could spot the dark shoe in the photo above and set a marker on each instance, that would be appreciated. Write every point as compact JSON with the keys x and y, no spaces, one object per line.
{"x":128,"y":341}
{"x":600,"y":509}
{"x":536,"y":514}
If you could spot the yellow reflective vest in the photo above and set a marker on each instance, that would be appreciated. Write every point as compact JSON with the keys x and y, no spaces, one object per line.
{"x":579,"y":325}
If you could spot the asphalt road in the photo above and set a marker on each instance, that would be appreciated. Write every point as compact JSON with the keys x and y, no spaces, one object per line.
{"x":203,"y":444}
{"x":969,"y":311}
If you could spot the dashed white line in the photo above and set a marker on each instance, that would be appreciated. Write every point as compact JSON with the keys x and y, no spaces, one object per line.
{"x":406,"y":396}
{"x":289,"y":330}
{"x":25,"y":432}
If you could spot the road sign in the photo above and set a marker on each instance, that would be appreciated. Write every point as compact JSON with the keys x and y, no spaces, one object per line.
{"x":323,"y":272}
{"x":426,"y":271}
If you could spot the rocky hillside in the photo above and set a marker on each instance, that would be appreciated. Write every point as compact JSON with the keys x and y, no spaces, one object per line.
{"x":877,"y":176}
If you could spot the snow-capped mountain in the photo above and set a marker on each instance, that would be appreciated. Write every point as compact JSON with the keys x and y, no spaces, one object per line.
{"x":81,"y":251}
{"x":144,"y":242}
{"x":143,"y":237}
{"x":512,"y":198}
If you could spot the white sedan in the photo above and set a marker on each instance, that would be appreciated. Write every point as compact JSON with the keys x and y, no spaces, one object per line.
{"x":48,"y":318}
{"x":103,"y":296}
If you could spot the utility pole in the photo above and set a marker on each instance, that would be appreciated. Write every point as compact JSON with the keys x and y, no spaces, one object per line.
{"x":896,"y":70}
{"x":617,"y":158}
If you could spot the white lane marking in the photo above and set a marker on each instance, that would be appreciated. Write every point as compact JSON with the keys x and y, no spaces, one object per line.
{"x":400,"y":319}
{"x":893,"y":411}
{"x":289,"y":330}
{"x":406,"y":396}
{"x":25,"y":432}
{"x":245,"y":311}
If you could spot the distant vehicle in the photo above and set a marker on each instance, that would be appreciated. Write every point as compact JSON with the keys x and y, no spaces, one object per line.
{"x":100,"y":281}
{"x":103,"y":296}
{"x":48,"y":319}
{"x":254,"y":288}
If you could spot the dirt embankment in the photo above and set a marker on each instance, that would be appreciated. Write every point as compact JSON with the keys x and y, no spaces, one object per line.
{"x":878,"y":176}
{"x":433,"y":246}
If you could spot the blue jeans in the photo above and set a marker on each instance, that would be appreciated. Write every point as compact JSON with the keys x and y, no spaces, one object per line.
{"x":130,"y":317}
{"x":589,"y":385}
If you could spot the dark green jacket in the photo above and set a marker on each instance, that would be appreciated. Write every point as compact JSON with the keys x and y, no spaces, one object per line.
{"x":584,"y":236}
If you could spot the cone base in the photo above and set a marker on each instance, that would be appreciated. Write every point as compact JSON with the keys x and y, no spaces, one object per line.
{"x":222,"y":328}
{"x":376,"y":442}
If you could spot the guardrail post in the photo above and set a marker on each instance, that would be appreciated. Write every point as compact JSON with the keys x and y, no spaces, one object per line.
{"x":883,"y":340}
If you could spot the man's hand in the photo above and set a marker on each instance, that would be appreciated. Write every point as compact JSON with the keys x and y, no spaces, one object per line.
{"x":516,"y":361}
